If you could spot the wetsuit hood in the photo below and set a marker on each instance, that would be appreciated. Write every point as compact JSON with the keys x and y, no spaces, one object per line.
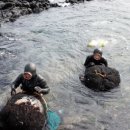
{"x":30,"y":68}
{"x":97,"y":51}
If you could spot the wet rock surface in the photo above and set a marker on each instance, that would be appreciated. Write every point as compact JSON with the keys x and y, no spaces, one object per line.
{"x":10,"y":10}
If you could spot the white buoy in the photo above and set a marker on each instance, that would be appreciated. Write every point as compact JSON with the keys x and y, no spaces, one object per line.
{"x":97,"y":43}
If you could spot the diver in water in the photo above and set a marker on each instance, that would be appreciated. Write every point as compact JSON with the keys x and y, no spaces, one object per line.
{"x":95,"y":59}
{"x":30,"y":81}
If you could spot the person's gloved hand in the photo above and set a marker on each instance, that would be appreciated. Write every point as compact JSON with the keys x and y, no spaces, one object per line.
{"x":102,"y":64}
{"x":38,"y":89}
{"x":42,"y":90}
{"x":13,"y":91}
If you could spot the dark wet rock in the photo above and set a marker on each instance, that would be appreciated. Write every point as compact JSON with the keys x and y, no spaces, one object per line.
{"x":36,"y":10}
{"x":55,"y":5}
{"x":12,"y":19}
{"x":30,"y":11}
{"x":101,"y":78}
{"x":72,"y":1}
{"x":76,"y":1}
{"x":10,"y":1}
{"x":32,"y":4}
{"x":2,"y":4}
{"x":10,"y":10}
{"x":24,"y":7}
{"x":1,"y":34}
{"x":15,"y":13}
{"x":8,"y":5}
{"x":25,"y":11}
{"x":26,"y":4}
{"x":18,"y":4}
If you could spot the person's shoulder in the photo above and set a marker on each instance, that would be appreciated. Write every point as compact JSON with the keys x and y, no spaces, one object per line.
{"x":40,"y":77}
{"x":90,"y":56}
{"x":104,"y":59}
{"x":20,"y":75}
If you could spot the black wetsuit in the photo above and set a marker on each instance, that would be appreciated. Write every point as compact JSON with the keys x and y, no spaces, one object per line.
{"x":28,"y":85}
{"x":90,"y":61}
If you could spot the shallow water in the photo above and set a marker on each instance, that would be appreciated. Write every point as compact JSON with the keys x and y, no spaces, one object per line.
{"x":56,"y":41}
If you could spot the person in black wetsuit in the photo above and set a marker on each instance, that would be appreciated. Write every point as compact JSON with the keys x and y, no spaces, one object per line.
{"x":95,"y":59}
{"x":30,"y":81}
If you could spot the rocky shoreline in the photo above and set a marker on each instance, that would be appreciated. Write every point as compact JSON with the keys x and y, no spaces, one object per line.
{"x":10,"y":10}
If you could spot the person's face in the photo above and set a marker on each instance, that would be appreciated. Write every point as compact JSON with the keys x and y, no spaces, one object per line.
{"x":97,"y":56}
{"x":27,"y":75}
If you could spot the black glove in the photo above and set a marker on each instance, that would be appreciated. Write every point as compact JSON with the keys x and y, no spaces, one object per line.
{"x":13,"y":91}
{"x":102,"y":64}
{"x":41,"y":90}
{"x":38,"y":89}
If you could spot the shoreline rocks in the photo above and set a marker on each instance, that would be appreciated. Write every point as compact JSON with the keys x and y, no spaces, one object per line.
{"x":10,"y":10}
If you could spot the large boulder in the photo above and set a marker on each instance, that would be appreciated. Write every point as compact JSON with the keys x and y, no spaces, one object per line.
{"x":24,"y":112}
{"x":101,"y":78}
{"x":8,"y":5}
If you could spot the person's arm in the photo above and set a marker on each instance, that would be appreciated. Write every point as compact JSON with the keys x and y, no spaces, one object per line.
{"x":43,"y":86}
{"x":105,"y":62}
{"x":87,"y":61}
{"x":16,"y":84}
{"x":17,"y":81}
